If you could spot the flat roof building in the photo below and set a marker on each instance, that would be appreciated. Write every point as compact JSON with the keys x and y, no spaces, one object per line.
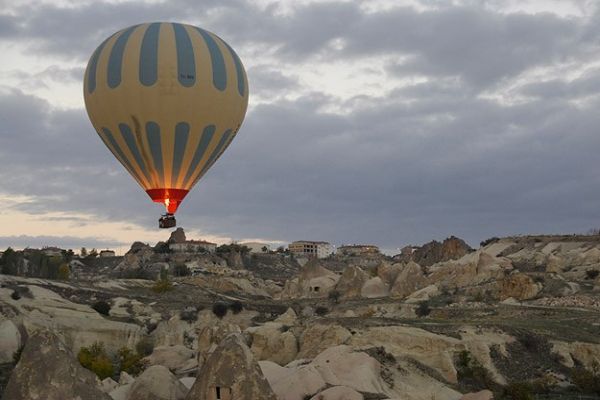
{"x":310,"y":249}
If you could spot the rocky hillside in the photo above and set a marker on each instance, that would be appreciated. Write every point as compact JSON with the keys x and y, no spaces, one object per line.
{"x":518,"y":317}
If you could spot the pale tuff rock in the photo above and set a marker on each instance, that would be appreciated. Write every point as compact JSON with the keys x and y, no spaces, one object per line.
{"x":272,"y":341}
{"x":293,"y":383}
{"x":319,"y":337}
{"x":175,"y":358}
{"x":341,"y":366}
{"x":210,"y":336}
{"x":108,"y":385}
{"x":389,"y":272}
{"x":482,"y":395}
{"x":423,"y":295}
{"x":435,"y":351}
{"x":586,"y":354}
{"x":338,"y":393}
{"x":351,"y":282}
{"x":177,"y":236}
{"x":10,"y":340}
{"x":157,"y":383}
{"x":289,"y":317}
{"x":314,"y":281}
{"x":231,"y":372}
{"x":518,"y":286}
{"x":409,"y":280}
{"x":48,"y":370}
{"x":375,"y":287}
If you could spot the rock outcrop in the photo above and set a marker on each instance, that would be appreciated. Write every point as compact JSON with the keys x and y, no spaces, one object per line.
{"x":157,"y":383}
{"x":48,"y":370}
{"x":318,"y":337}
{"x":231,"y":372}
{"x":351,"y":282}
{"x":518,"y":286}
{"x":408,"y":280}
{"x":274,"y":342}
{"x":10,"y":340}
{"x":434,"y":252}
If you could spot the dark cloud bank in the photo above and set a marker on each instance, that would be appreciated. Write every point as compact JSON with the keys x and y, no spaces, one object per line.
{"x":425,"y":161}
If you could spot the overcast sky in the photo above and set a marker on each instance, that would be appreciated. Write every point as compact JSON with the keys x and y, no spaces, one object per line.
{"x":383,"y":122}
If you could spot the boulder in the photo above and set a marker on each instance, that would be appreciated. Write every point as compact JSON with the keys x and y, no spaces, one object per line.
{"x":294,"y":383}
{"x":231,"y":372}
{"x":274,"y":342}
{"x":318,"y":337}
{"x":518,"y":286}
{"x":157,"y":383}
{"x":10,"y":340}
{"x":108,"y":385}
{"x":351,"y":282}
{"x":338,"y":393}
{"x":409,"y":280}
{"x":48,"y":370}
{"x":287,"y":318}
{"x":342,"y":366}
{"x":482,"y":395}
{"x":375,"y":287}
{"x":210,"y":336}
{"x":172,"y":357}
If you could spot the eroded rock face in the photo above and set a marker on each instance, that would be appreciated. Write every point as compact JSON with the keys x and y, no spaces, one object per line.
{"x":157,"y":383}
{"x":351,"y":282}
{"x":409,"y":280}
{"x":319,"y":337}
{"x":433,"y":252}
{"x":375,"y":287}
{"x":210,"y":336}
{"x":10,"y":340}
{"x":294,"y":383}
{"x":518,"y":286}
{"x":314,"y":281}
{"x":274,"y":342}
{"x":231,"y":372}
{"x":175,"y":358}
{"x":48,"y":370}
{"x":177,"y":236}
{"x":338,"y":393}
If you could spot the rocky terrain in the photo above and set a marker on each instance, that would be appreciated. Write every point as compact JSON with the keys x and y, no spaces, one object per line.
{"x":516,"y":318}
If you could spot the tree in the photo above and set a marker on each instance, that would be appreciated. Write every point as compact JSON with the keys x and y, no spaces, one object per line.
{"x":83,"y":252}
{"x":423,"y":309}
{"x":236,"y":306}
{"x":93,"y":253}
{"x":63,"y":272}
{"x":334,"y":296}
{"x":265,"y":249}
{"x":95,"y":359}
{"x":130,"y":361}
{"x":101,"y":307}
{"x":219,"y":309}
{"x":9,"y":262}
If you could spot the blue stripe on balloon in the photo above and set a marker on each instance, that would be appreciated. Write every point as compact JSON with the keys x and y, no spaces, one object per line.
{"x":218,"y":63}
{"x":133,"y":148}
{"x":94,"y":65}
{"x":241,"y":83}
{"x":216,"y":153}
{"x":153,"y":135}
{"x":182,"y":133}
{"x":205,"y":140}
{"x":149,"y":55}
{"x":115,"y":61}
{"x":119,"y":153}
{"x":186,"y":66}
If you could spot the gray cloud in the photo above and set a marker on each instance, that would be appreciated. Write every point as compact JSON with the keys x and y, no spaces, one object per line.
{"x":425,"y":161}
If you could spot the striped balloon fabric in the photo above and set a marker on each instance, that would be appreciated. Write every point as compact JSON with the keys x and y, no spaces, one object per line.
{"x":166,"y":99}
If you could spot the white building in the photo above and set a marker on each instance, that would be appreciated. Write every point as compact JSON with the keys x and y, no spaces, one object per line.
{"x":257,"y":247}
{"x":52,"y":251}
{"x":192,"y":246}
{"x":310,"y":249}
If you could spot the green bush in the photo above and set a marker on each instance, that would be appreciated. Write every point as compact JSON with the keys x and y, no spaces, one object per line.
{"x":101,"y":307}
{"x":471,"y":373}
{"x":145,"y":346}
{"x":423,"y":309}
{"x":334,"y":296}
{"x":64,"y":272}
{"x":95,"y":359}
{"x":130,"y":361}
{"x":219,"y":309}
{"x":236,"y":306}
{"x":162,"y":285}
{"x":189,"y":314}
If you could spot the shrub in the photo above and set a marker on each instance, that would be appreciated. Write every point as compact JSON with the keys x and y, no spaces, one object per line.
{"x":63,"y":272}
{"x":592,"y":273}
{"x":145,"y":346}
{"x":101,"y":307}
{"x":321,"y":311}
{"x":130,"y":362}
{"x":472,"y":373}
{"x":334,"y":296}
{"x":162,"y":285}
{"x":423,"y":309}
{"x":587,"y":381}
{"x":219,"y":309}
{"x":181,"y":270}
{"x":95,"y":359}
{"x":236,"y":306}
{"x":15,"y":295}
{"x":189,"y":314}
{"x":489,"y":241}
{"x":519,"y":391}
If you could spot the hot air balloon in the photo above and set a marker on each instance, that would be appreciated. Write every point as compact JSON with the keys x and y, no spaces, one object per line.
{"x":166,"y":99}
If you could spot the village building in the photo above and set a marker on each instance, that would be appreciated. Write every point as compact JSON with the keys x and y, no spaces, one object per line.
{"x":51,"y":251}
{"x":310,"y":249}
{"x":257,"y":247}
{"x":107,"y":253}
{"x":193,"y":246}
{"x":357,"y":249}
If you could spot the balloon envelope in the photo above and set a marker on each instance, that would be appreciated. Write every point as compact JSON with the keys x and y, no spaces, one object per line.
{"x":166,"y":99}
